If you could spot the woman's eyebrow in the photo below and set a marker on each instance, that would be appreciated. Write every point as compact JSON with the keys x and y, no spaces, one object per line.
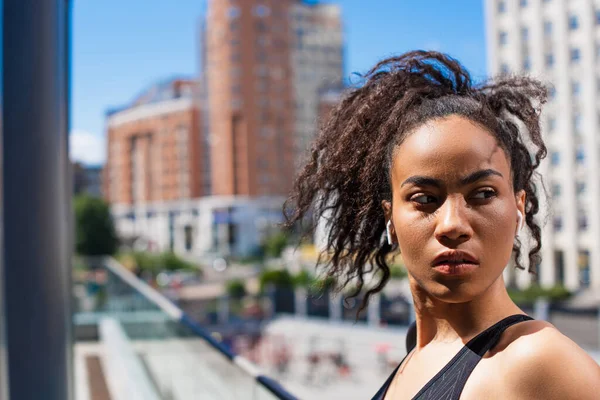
{"x":420,"y":180}
{"x":478,"y":175}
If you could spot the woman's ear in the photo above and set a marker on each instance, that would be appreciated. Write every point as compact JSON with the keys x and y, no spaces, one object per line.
{"x":387,"y":209}
{"x":389,"y":224}
{"x":520,"y":198}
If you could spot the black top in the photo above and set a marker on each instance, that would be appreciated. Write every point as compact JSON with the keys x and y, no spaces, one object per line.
{"x":450,"y":381}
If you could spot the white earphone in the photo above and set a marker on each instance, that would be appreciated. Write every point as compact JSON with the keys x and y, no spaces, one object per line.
{"x":387,"y":230}
{"x":519,"y":221}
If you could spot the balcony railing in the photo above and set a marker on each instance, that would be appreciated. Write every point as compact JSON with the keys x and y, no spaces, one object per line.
{"x":151,"y":346}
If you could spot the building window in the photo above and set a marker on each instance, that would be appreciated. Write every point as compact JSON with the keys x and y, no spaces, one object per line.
{"x":261,"y":26}
{"x":523,"y":3}
{"x":504,"y":69}
{"x":261,"y":70}
{"x":524,"y":34}
{"x":503,"y":38}
{"x":261,"y":10}
{"x":551,"y":124}
{"x":557,"y":223}
{"x":580,"y":155}
{"x":236,"y":103}
{"x":580,"y":187}
{"x":597,"y":17}
{"x":556,"y":190}
{"x":555,"y":158}
{"x":577,"y":123}
{"x":575,"y":88}
{"x":261,"y":57}
{"x":263,"y":164}
{"x":583,"y":263}
{"x":575,"y":55}
{"x":582,"y":222}
{"x":233,"y":12}
{"x":573,"y":22}
{"x":266,"y":132}
{"x":547,"y":28}
{"x":264,"y":179}
{"x":501,"y":7}
{"x":527,"y":64}
{"x":262,"y":41}
{"x":552,"y":93}
{"x":549,"y":60}
{"x":559,"y":263}
{"x":261,"y":86}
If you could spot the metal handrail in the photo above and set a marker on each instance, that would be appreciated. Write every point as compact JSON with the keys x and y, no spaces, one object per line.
{"x":180,"y":316}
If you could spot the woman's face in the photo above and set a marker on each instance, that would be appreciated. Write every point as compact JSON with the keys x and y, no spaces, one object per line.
{"x":453,"y":210}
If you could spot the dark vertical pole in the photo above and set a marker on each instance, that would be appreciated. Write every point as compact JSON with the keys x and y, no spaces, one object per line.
{"x":36,"y":199}
{"x":3,"y":345}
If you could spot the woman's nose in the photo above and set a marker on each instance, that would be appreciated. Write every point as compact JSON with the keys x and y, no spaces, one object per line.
{"x":453,"y":226}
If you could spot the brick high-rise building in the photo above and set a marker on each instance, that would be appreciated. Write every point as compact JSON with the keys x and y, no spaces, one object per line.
{"x":154,"y":147}
{"x":263,"y":64}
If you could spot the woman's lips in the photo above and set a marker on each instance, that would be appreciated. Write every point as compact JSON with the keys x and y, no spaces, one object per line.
{"x":455,"y":269}
{"x":454,"y":262}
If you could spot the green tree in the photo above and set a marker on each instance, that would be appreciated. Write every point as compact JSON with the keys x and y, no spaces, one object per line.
{"x":303,"y":279}
{"x":276,"y":277}
{"x":275,"y":244}
{"x":94,"y":228}
{"x":236,"y":289}
{"x":154,"y":263}
{"x":397,"y":271}
{"x":533,"y":292}
{"x":172,"y":262}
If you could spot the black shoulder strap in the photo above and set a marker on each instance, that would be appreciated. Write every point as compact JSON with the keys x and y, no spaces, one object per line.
{"x":465,"y":361}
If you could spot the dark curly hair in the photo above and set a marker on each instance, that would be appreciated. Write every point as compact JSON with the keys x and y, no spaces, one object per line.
{"x":347,"y":174}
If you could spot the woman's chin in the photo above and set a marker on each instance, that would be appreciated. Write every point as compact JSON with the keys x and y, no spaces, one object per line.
{"x":461,"y":293}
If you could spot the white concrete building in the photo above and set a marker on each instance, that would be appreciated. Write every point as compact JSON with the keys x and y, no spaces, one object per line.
{"x":214,"y":225}
{"x":559,"y":42}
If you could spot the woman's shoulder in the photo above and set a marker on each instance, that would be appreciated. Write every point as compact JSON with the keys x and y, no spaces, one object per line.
{"x":540,"y":362}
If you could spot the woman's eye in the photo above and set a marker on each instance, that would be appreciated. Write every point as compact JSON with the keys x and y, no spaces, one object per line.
{"x":423,"y":199}
{"x":484,"y":194}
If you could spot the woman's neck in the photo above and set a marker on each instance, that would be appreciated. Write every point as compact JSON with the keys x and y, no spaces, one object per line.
{"x":442,"y":322}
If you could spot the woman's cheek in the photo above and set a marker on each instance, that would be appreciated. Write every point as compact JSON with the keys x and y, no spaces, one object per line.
{"x":413,"y":239}
{"x":497,"y":230}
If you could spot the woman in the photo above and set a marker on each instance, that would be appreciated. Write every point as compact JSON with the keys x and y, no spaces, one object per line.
{"x":420,"y":161}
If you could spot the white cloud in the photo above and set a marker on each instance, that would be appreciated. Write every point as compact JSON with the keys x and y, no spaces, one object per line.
{"x":87,"y":148}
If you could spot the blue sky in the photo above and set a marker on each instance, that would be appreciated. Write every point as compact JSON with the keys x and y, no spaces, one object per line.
{"x":122,"y":47}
